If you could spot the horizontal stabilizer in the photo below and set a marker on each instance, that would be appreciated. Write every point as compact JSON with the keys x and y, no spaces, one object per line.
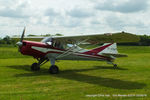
{"x":114,"y":55}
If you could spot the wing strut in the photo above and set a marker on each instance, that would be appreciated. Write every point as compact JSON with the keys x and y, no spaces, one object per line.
{"x":69,"y":51}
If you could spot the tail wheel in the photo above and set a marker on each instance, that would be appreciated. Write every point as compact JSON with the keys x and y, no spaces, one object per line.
{"x":53,"y":69}
{"x":35,"y":67}
{"x":115,"y":66}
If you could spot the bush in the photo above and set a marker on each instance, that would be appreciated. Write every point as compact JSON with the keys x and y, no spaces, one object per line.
{"x":7,"y":40}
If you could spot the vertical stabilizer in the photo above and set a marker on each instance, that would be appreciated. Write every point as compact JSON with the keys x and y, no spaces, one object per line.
{"x":105,"y":48}
{"x":112,"y":49}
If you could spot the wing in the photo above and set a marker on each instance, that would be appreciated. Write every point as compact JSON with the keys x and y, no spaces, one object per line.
{"x":100,"y":38}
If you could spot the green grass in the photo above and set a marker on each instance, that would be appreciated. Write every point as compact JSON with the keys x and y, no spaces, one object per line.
{"x":134,"y":49}
{"x":76,"y":78}
{"x":10,"y":52}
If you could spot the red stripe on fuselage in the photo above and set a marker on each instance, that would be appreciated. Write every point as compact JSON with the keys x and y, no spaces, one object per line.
{"x":97,"y":50}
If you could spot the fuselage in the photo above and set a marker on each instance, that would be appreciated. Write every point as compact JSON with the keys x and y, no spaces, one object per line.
{"x":42,"y":50}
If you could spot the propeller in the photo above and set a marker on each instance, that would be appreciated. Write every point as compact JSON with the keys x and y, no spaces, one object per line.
{"x":23,"y":34}
{"x":19,"y":43}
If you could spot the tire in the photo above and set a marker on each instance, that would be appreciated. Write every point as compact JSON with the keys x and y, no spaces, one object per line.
{"x":53,"y":69}
{"x":35,"y":67}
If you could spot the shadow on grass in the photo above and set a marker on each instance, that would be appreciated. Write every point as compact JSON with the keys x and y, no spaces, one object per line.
{"x":20,"y":67}
{"x":74,"y":75}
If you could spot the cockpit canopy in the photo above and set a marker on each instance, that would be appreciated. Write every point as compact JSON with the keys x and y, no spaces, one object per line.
{"x":58,"y":44}
{"x":54,"y":43}
{"x":46,"y":39}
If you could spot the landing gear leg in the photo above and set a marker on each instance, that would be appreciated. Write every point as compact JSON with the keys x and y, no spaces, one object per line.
{"x":53,"y":68}
{"x":36,"y":66}
{"x":115,"y":65}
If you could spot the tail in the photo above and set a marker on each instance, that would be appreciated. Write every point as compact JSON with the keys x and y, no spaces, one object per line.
{"x":111,"y":51}
{"x":110,"y":48}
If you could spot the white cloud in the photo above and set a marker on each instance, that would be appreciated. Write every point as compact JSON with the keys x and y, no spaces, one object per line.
{"x":15,"y":9}
{"x":74,"y":16}
{"x":126,"y":6}
{"x":80,"y":13}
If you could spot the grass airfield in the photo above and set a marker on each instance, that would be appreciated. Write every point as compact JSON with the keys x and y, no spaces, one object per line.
{"x":77,"y":80}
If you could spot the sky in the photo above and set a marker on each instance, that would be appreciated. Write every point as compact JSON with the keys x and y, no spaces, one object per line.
{"x":74,"y":17}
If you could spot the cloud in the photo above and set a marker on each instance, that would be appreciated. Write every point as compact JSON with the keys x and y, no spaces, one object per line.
{"x":126,"y":22}
{"x":51,"y":12}
{"x":126,"y":6}
{"x":62,"y":19}
{"x":115,"y":22}
{"x":95,"y":22}
{"x":69,"y":22}
{"x":51,"y":16}
{"x":15,"y":9}
{"x":87,"y":16}
{"x":14,"y":13}
{"x":80,"y":13}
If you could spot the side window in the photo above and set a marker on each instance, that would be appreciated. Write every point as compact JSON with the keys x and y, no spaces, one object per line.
{"x":56,"y":44}
{"x":59,"y":45}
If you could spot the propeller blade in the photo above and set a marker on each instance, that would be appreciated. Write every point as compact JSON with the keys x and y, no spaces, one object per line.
{"x":23,"y":34}
{"x":19,"y":43}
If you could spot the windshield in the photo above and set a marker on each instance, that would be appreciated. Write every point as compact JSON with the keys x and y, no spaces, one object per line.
{"x":46,"y":39}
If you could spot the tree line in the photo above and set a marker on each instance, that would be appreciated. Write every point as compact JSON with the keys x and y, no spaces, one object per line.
{"x":7,"y":40}
{"x":144,"y":40}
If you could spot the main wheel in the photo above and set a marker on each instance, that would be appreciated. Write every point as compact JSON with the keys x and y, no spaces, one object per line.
{"x":53,"y":69}
{"x":35,"y":67}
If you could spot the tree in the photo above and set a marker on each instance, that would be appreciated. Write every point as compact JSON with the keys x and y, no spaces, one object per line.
{"x":47,"y":35}
{"x":2,"y":41}
{"x":58,"y":34}
{"x":31,"y":35}
{"x":7,"y":40}
{"x":144,"y":40}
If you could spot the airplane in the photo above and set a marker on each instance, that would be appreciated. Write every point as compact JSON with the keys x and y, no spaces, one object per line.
{"x":67,"y":48}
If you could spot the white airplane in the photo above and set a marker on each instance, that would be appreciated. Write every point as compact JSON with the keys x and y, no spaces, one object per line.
{"x":67,"y":48}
